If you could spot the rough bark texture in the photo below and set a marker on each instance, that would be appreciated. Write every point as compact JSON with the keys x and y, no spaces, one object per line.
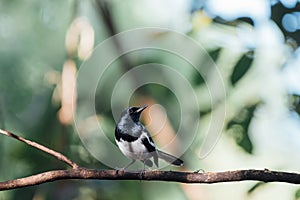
{"x":77,"y":172}
{"x":174,"y":176}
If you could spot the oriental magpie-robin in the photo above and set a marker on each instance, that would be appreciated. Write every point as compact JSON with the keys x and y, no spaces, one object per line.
{"x":135,"y":142}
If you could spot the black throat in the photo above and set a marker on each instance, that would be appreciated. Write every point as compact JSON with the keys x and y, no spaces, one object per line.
{"x":119,"y":134}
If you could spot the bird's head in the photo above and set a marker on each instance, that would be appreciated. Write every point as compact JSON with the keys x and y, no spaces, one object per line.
{"x":135,"y":112}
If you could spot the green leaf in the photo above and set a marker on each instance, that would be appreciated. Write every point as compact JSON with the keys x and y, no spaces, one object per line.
{"x":295,"y":103}
{"x":214,"y":54}
{"x":297,"y":194}
{"x":255,"y":187}
{"x":239,"y":126}
{"x":241,"y":68}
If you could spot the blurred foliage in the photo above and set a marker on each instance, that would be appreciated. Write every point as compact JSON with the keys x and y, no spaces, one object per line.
{"x":295,"y":103}
{"x":255,"y":187}
{"x":297,"y":194}
{"x":238,"y":128}
{"x":241,"y":68}
{"x":33,"y":54}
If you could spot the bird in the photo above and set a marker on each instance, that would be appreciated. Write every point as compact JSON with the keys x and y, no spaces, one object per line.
{"x":135,"y":142}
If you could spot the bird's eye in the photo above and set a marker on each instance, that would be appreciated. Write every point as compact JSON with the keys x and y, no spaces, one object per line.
{"x":130,"y":111}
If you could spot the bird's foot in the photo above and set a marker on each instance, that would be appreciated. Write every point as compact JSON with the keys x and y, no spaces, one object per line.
{"x":142,"y":173}
{"x":199,"y":171}
{"x":120,"y":169}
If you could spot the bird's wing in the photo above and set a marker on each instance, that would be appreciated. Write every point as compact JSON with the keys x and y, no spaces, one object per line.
{"x":150,"y":146}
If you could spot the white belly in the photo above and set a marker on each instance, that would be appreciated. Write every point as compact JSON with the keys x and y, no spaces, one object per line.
{"x":134,"y":150}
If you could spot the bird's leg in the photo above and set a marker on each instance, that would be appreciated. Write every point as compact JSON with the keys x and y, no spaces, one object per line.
{"x":144,"y":169}
{"x":124,"y":168}
{"x":129,"y":164}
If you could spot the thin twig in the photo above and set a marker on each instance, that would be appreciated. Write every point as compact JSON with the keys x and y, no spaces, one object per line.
{"x":51,"y":152}
{"x":105,"y":12}
{"x":174,"y":176}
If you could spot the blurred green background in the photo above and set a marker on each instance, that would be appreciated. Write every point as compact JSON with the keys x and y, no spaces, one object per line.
{"x":254,"y":44}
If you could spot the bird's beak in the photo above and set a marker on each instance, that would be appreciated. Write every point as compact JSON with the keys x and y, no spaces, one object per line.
{"x":141,"y":109}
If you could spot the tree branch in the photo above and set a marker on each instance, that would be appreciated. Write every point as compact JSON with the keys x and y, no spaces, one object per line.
{"x":174,"y":176}
{"x":51,"y":152}
{"x":105,"y":12}
{"x":183,"y":177}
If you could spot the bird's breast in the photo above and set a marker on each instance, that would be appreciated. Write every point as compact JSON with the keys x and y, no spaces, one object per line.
{"x":134,"y":150}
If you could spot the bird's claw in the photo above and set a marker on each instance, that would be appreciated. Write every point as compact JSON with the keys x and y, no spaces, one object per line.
{"x":142,"y":173}
{"x":199,"y":171}
{"x":118,"y":169}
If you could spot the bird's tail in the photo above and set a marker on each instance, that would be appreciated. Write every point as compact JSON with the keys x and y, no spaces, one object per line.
{"x":169,"y":158}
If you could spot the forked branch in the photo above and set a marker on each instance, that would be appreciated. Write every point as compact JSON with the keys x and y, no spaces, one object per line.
{"x":77,"y":172}
{"x":40,"y":147}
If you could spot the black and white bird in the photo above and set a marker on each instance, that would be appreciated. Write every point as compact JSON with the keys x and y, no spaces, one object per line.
{"x":135,"y":142}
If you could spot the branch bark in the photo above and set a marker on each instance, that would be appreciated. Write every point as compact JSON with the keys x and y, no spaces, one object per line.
{"x":77,"y":172}
{"x":174,"y":176}
{"x":40,"y":147}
